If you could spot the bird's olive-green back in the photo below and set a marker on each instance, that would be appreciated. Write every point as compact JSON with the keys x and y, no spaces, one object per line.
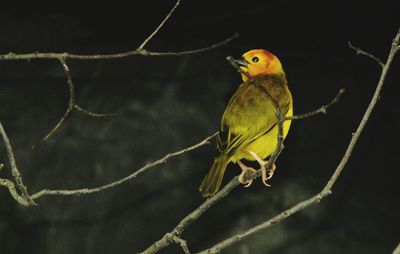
{"x":251,"y":111}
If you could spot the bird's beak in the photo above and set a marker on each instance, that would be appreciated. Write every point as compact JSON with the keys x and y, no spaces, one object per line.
{"x":241,"y":65}
{"x":241,"y":62}
{"x":244,"y":67}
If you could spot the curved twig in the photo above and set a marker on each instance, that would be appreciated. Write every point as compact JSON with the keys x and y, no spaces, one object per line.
{"x":27,"y":200}
{"x":365,"y":53}
{"x":93,"y":114}
{"x":24,"y":198}
{"x":144,"y":43}
{"x":71,"y":103}
{"x":48,"y":192}
{"x":322,"y":109}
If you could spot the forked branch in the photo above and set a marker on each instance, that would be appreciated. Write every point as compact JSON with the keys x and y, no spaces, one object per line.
{"x":72,"y":105}
{"x":27,"y":200}
{"x":23,"y":198}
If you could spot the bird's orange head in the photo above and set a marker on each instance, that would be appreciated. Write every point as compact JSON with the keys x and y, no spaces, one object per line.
{"x":259,"y":62}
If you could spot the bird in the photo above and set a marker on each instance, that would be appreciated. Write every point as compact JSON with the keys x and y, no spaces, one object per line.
{"x":249,"y":125}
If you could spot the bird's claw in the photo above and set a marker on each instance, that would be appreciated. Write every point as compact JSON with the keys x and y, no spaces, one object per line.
{"x":245,"y":169}
{"x":265,"y":174}
{"x":250,"y":183}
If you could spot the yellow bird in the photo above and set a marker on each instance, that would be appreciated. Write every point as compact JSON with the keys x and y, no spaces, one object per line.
{"x":249,"y":126}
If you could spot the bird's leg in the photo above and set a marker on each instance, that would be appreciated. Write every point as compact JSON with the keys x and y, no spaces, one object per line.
{"x":244,"y":171}
{"x":265,"y":174}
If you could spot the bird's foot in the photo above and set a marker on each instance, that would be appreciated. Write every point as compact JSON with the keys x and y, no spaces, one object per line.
{"x":266,"y":174}
{"x":245,"y":169}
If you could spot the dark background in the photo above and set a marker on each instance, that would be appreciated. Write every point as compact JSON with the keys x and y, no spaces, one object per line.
{"x":168,"y":103}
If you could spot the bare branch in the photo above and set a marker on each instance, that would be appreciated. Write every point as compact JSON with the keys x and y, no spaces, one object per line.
{"x":367,"y":113}
{"x":322,"y":109}
{"x":70,"y":83}
{"x":328,"y":187}
{"x":27,"y":200}
{"x":283,"y":215}
{"x":362,"y":52}
{"x":71,"y":103}
{"x":143,"y":52}
{"x":93,"y":114}
{"x":16,"y":174}
{"x":57,"y":126}
{"x":159,"y":26}
{"x":11,"y":188}
{"x":47,"y":192}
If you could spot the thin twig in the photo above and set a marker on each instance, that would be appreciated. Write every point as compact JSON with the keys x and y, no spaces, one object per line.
{"x":159,"y":26}
{"x":15,"y":172}
{"x":194,"y":215}
{"x":27,"y":200}
{"x":143,"y":52}
{"x":362,"y":52}
{"x":57,"y":126}
{"x":328,"y":187}
{"x":70,"y":83}
{"x":367,"y":113}
{"x":47,"y":192}
{"x":322,"y":109}
{"x":14,"y":193}
{"x":71,"y":103}
{"x":93,"y":114}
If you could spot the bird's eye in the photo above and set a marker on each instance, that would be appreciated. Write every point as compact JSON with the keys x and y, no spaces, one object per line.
{"x":255,"y":59}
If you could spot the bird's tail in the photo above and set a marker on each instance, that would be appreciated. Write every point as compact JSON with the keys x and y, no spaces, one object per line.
{"x":212,"y":182}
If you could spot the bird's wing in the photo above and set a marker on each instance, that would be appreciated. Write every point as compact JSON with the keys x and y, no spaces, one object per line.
{"x":250,"y":114}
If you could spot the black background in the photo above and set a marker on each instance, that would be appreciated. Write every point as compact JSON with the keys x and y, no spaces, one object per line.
{"x":168,"y":103}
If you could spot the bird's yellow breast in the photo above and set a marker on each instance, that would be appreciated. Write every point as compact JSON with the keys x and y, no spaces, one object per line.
{"x":266,"y":144}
